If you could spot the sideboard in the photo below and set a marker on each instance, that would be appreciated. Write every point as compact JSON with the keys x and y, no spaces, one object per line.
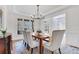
{"x":6,"y":44}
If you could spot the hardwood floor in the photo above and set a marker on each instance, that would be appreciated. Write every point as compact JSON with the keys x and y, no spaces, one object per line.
{"x":19,"y":48}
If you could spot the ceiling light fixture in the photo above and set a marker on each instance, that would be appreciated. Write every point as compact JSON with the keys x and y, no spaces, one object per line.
{"x":37,"y":15}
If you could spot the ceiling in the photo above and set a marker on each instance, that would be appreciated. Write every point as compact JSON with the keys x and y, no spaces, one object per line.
{"x":29,"y":10}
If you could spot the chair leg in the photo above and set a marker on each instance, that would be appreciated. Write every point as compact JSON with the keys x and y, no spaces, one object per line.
{"x":31,"y":50}
{"x":28,"y":47}
{"x":52,"y":52}
{"x":59,"y":50}
{"x":25,"y":44}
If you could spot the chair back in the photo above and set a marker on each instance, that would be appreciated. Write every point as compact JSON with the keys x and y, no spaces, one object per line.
{"x":25,"y":36}
{"x":57,"y":36}
{"x":29,"y":38}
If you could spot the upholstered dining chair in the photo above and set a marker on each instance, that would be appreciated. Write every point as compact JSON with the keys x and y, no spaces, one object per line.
{"x":25,"y":42}
{"x":25,"y":38}
{"x":32,"y":43}
{"x":55,"y":41}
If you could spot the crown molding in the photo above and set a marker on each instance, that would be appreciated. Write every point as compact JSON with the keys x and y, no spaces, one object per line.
{"x":57,"y":9}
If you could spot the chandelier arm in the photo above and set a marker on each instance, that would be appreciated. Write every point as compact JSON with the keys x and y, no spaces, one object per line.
{"x":38,"y":15}
{"x":37,"y":10}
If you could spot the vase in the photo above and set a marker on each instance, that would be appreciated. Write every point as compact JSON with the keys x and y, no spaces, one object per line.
{"x":3,"y":32}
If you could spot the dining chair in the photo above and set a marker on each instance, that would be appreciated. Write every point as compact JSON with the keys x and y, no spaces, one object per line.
{"x":55,"y":41}
{"x":32,"y":43}
{"x":25,"y":39}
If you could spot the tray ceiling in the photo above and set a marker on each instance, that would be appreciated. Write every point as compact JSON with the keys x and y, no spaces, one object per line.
{"x":31,"y":9}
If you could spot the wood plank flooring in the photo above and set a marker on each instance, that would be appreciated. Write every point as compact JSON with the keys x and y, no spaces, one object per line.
{"x":19,"y":48}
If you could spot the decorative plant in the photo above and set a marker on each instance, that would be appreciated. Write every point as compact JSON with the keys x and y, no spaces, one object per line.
{"x":3,"y":31}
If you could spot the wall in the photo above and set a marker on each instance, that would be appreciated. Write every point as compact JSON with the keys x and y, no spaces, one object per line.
{"x":73,"y":26}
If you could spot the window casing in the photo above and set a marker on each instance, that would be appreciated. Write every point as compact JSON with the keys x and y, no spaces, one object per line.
{"x":24,"y":24}
{"x":59,"y":22}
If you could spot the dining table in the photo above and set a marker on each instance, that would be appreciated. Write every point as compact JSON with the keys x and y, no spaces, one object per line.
{"x":41,"y":37}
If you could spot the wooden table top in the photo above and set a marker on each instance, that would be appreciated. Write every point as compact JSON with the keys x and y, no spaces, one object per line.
{"x":40,"y":36}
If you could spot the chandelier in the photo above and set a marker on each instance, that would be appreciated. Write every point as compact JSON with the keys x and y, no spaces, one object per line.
{"x":37,"y":15}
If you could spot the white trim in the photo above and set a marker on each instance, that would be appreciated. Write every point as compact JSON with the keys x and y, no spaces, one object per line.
{"x":55,"y":10}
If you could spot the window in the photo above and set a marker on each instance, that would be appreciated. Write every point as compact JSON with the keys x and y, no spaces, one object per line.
{"x":27,"y":24}
{"x":59,"y":22}
{"x":24,"y":24}
{"x":45,"y":25}
{"x":20,"y":26}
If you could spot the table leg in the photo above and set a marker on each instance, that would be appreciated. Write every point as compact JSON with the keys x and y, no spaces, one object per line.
{"x":40,"y":47}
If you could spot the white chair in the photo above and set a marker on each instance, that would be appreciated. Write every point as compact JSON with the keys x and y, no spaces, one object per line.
{"x":55,"y":41}
{"x":25,"y":37}
{"x":32,"y":43}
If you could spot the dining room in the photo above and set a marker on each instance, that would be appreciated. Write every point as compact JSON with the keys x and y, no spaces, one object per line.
{"x":39,"y":29}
